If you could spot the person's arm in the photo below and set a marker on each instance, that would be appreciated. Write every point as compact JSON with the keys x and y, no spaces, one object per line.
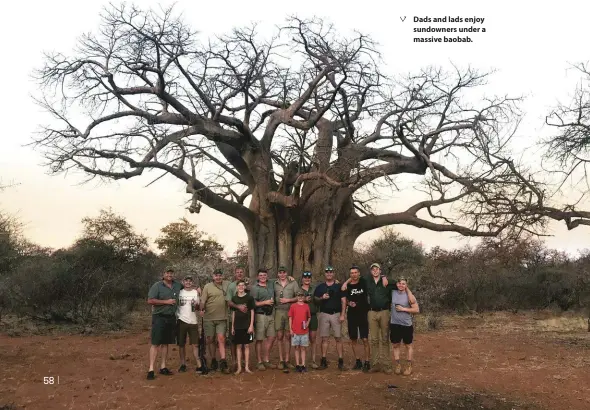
{"x":345,"y":285}
{"x":318,"y":296}
{"x":343,"y":301}
{"x":251,"y":327}
{"x":411,"y":296}
{"x":233,"y":322}
{"x":204,"y":296}
{"x":414,"y":308}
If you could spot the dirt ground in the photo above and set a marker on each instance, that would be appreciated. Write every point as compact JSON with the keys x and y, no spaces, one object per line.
{"x":500,"y":361}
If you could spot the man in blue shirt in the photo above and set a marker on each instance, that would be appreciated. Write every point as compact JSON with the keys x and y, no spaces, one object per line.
{"x":331,"y":302}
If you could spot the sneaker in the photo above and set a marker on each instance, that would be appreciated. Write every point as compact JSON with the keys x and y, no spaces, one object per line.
{"x":201,"y":370}
{"x":182,"y":368}
{"x":260,"y":366}
{"x":314,"y":365}
{"x":358,"y":365}
{"x":408,"y":370}
{"x":285,"y":367}
{"x":282,"y":366}
{"x":323,"y":364}
{"x":223,"y":366}
{"x":298,"y":368}
{"x":366,"y":367}
{"x":303,"y":369}
{"x":150,"y":375}
{"x":398,"y":368}
{"x":269,"y":365}
{"x":341,"y":364}
{"x":165,"y":372}
{"x":214,"y":365}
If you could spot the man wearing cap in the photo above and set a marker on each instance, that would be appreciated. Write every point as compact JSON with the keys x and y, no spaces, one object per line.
{"x":163,"y":297}
{"x":264,"y":324}
{"x":188,"y":305}
{"x":332,"y":305}
{"x":231,"y":292}
{"x":357,"y":313}
{"x":214,"y":310}
{"x":308,"y":290}
{"x":285,"y":292}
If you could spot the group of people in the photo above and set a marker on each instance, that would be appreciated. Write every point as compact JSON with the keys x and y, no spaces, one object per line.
{"x":378,"y":311}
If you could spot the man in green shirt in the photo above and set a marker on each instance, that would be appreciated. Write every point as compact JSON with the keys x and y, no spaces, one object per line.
{"x":231,"y":292}
{"x":214,"y":311}
{"x":163,"y":296}
{"x":285,"y":292}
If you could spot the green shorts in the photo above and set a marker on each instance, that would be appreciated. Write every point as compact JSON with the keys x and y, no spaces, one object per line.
{"x":282,"y":320}
{"x":215,"y":327}
{"x":163,"y":329}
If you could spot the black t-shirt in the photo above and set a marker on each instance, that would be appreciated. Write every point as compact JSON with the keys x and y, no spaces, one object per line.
{"x":242,"y":320}
{"x":334,"y":304}
{"x":357,"y":293}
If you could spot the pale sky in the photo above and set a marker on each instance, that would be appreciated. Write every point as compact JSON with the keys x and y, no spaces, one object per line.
{"x":531,"y":44}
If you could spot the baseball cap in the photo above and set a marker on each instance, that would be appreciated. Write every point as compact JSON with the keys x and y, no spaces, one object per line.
{"x":218,"y":272}
{"x":329,"y":268}
{"x":169,"y":269}
{"x":282,"y":268}
{"x":307,"y":274}
{"x":375,"y":264}
{"x":188,"y":277}
{"x":299,"y":293}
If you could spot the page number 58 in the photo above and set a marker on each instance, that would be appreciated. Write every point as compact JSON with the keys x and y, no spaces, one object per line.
{"x":51,"y":380}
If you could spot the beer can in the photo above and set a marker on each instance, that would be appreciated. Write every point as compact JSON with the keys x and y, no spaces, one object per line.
{"x":304,"y":325}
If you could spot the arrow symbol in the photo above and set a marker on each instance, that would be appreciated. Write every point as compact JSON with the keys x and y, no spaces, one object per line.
{"x":403,"y":18}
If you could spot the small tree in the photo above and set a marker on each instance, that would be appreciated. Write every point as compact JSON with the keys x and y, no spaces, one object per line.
{"x":181,"y":240}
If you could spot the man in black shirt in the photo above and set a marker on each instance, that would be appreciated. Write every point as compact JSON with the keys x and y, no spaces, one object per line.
{"x":332,"y":304}
{"x":357,"y":311}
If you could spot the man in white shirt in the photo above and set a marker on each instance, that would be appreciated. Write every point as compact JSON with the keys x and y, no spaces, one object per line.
{"x":188,"y":306}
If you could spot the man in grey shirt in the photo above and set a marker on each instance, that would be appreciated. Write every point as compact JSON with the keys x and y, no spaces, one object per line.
{"x":401,"y":324}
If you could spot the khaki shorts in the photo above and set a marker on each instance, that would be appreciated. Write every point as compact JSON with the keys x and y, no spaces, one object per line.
{"x":215,"y":327}
{"x":264,"y":326}
{"x":282,"y":320}
{"x":327,"y":322}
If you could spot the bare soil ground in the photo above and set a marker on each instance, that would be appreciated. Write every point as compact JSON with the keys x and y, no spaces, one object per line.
{"x":493,"y":361}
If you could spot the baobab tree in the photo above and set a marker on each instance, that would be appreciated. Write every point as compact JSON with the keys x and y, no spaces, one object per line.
{"x":293,"y":135}
{"x":569,"y":150}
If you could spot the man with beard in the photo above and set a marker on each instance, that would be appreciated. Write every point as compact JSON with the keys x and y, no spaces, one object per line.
{"x":214,"y":310}
{"x":163,"y":297}
{"x":357,"y":311}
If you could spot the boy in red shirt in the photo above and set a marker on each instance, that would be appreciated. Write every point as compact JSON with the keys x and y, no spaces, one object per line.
{"x":299,"y":318}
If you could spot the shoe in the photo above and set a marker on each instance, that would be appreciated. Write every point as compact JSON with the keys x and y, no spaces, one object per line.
{"x":214,"y":365}
{"x":298,"y":369}
{"x":408,"y":370}
{"x":285,"y":367}
{"x":387,"y":370}
{"x":290,"y":366}
{"x":358,"y":365}
{"x":201,"y":370}
{"x":165,"y":372}
{"x":269,"y":365}
{"x":282,"y":366}
{"x":341,"y":364}
{"x":260,"y":366}
{"x":314,"y":365}
{"x":150,"y":375}
{"x":366,"y":367}
{"x":303,"y":369}
{"x":182,"y":368}
{"x":223,"y":366}
{"x":323,"y":364}
{"x":398,"y":368}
